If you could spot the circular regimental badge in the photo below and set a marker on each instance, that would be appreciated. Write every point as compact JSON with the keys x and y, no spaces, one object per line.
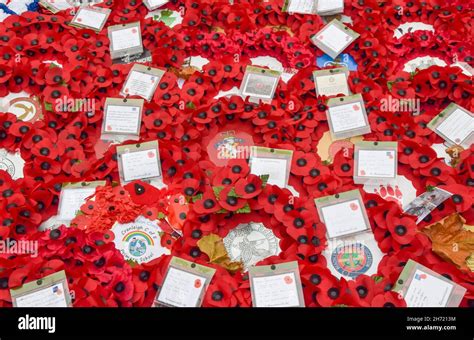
{"x":251,"y":243}
{"x":26,"y":109}
{"x":352,"y":259}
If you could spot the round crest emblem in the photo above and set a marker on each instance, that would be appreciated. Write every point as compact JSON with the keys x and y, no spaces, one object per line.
{"x":251,"y":243}
{"x":26,"y":109}
{"x":139,"y":241}
{"x":7,"y":165}
{"x":352,"y":259}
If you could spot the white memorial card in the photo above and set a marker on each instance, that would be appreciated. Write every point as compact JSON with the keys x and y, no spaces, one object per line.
{"x":334,"y":38}
{"x":347,"y":117}
{"x":90,"y":17}
{"x":142,"y":81}
{"x":122,"y":119}
{"x":274,"y":167}
{"x":184,"y":285}
{"x":277,"y":285}
{"x":458,"y":126}
{"x":49,"y":291}
{"x":140,"y":165}
{"x":276,"y":291}
{"x":343,"y":214}
{"x":422,"y":287}
{"x":73,"y":196}
{"x":181,"y":289}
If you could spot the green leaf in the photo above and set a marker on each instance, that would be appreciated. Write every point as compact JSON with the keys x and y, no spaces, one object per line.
{"x":430,"y":188}
{"x":390,"y":85}
{"x":132,"y":263}
{"x":244,"y":210}
{"x":222,"y":211}
{"x":48,"y":106}
{"x":196,"y":198}
{"x":190,"y":105}
{"x":217,"y":191}
{"x":264,"y":179}
{"x":161,"y":216}
{"x":232,"y":193}
{"x":378,"y":279}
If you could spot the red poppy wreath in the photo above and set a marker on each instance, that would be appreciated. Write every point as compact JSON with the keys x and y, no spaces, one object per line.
{"x":218,"y":206}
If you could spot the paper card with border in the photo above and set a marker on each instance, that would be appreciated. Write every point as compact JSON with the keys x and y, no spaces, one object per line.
{"x":73,"y":196}
{"x":50,"y":291}
{"x":331,"y":82}
{"x":424,"y":204}
{"x":276,"y":285}
{"x":343,"y":214}
{"x":125,"y":40}
{"x":259,"y":83}
{"x":375,"y":162}
{"x":273,"y":162}
{"x":184,"y":285}
{"x":334,"y":38}
{"x":347,"y":117}
{"x":299,"y":6}
{"x":122,"y":119}
{"x":455,"y":125}
{"x":55,"y":6}
{"x":139,"y":161}
{"x":154,"y":4}
{"x":329,"y":7}
{"x":93,"y":18}
{"x":142,"y":81}
{"x":423,"y":287}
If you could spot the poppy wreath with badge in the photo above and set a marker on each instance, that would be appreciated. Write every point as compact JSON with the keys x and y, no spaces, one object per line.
{"x":61,"y":147}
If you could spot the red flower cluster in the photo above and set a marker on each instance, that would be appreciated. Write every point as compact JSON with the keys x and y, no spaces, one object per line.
{"x":65,"y":146}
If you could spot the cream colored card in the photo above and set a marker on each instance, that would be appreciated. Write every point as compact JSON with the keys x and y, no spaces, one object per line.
{"x":91,"y":17}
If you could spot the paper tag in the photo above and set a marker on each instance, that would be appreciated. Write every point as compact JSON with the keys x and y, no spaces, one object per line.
{"x":55,"y":6}
{"x":50,"y":291}
{"x":424,"y":204}
{"x":329,"y":7}
{"x":334,"y":38}
{"x":300,"y":6}
{"x":139,"y":161}
{"x":422,"y":287}
{"x":273,"y":162}
{"x":73,"y":196}
{"x":375,"y":162}
{"x":91,"y":17}
{"x":122,"y":119}
{"x":343,"y":214}
{"x":331,"y":82}
{"x":455,"y":124}
{"x":125,"y":40}
{"x":347,"y":117}
{"x":185,"y":284}
{"x":142,"y":81}
{"x":259,"y":83}
{"x":277,"y":285}
{"x":154,"y":4}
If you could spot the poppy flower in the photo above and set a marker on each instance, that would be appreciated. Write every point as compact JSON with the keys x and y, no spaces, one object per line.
{"x":402,"y":229}
{"x":388,"y":299}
